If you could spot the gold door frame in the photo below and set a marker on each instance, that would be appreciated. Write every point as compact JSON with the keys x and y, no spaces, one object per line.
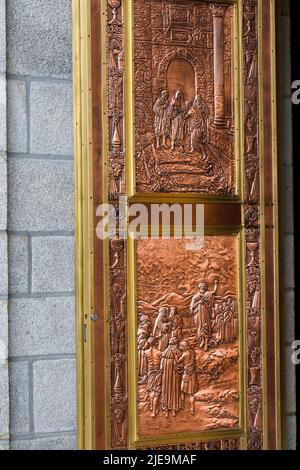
{"x":86,"y":328}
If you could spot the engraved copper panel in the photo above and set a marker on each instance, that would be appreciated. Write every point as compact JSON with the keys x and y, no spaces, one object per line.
{"x":184,"y":97}
{"x":187,"y":338}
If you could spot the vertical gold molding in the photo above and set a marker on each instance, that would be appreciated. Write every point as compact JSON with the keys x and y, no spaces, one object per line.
{"x":262,"y":223}
{"x":239,"y":97}
{"x":78,"y":221}
{"x":129,"y":98}
{"x":276,"y":228}
{"x":104,"y":197}
{"x":276,"y":287}
{"x":84,"y":223}
{"x":132,"y":351}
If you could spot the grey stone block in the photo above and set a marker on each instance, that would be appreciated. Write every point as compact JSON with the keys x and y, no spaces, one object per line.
{"x":62,"y":442}
{"x":4,"y":392}
{"x":42,"y":326}
{"x":16,"y":116}
{"x":19,"y":397}
{"x":286,"y":131}
{"x":289,"y":261}
{"x":284,"y":46}
{"x":288,"y":195}
{"x":291,"y":432}
{"x":289,"y":313}
{"x":39,"y":37}
{"x":3,"y":270}
{"x":3,"y":114}
{"x":4,"y":444}
{"x":3,"y":193}
{"x":51,"y":118}
{"x":40,"y":195}
{"x":285,"y":7}
{"x":53,"y":264}
{"x":18,"y":264}
{"x":4,"y":402}
{"x":54,"y":395}
{"x":3,"y":333}
{"x":2,"y":36}
{"x":290,"y":382}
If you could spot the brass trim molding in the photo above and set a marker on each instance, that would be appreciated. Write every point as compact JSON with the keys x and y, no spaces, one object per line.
{"x":84,"y":223}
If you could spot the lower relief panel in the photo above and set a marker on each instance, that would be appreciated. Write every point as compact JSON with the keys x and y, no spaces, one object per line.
{"x":187,"y":336}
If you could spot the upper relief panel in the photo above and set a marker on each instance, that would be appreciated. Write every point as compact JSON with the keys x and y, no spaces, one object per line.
{"x":185,"y":122}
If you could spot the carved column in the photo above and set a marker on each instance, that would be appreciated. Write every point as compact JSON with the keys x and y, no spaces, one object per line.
{"x":218,"y":12}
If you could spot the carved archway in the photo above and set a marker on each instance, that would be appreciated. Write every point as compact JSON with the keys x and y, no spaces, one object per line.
{"x":181,"y":76}
{"x":160,"y":82}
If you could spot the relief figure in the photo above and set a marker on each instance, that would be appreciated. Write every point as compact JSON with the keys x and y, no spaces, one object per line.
{"x":171,"y":378}
{"x":202,"y":308}
{"x":162,"y":328}
{"x":177,"y":323}
{"x":162,"y":119}
{"x":198,"y":115}
{"x":176,"y":112}
{"x":189,"y":385}
{"x":144,"y":332}
{"x":154,"y":374}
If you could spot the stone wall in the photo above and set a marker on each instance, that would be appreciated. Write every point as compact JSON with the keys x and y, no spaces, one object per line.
{"x":40,"y":262}
{"x":4,"y":394}
{"x":40,"y":225}
{"x":287,"y":221}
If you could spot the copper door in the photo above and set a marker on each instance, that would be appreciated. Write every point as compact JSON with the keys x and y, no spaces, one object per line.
{"x":183,"y":343}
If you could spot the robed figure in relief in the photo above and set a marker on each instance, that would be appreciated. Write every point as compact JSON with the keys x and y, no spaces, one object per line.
{"x":202,"y":309}
{"x":171,"y":378}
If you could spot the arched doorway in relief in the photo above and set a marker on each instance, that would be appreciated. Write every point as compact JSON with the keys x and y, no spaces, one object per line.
{"x":181,"y":76}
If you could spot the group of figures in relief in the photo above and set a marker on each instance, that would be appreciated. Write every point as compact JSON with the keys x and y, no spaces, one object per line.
{"x":168,"y":360}
{"x":177,"y":118}
{"x":182,"y":151}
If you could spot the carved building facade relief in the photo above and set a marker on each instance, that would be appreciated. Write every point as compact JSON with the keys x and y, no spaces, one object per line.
{"x":184,"y":97}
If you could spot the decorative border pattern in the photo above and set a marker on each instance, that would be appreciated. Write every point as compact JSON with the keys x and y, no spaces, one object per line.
{"x":115,"y":92}
{"x":252,"y":225}
{"x":118,"y":343}
{"x":117,"y":248}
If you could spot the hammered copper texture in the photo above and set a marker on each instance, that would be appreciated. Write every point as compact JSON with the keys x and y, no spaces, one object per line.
{"x":184,"y":82}
{"x":187,"y":336}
